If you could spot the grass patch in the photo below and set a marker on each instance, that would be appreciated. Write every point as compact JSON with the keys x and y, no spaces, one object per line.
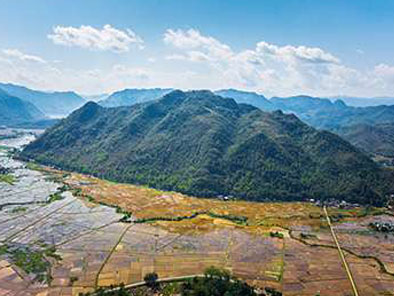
{"x":55,"y":197}
{"x":17,"y":210}
{"x":33,"y":262}
{"x":276,"y":234}
{"x":33,"y":166}
{"x":7,"y":178}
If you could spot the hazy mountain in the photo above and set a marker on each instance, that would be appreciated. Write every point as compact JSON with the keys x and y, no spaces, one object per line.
{"x":324,"y":114}
{"x":202,"y":144}
{"x":245,"y":97}
{"x":129,"y":97}
{"x":356,"y":124}
{"x":51,"y":103}
{"x":95,"y":98}
{"x":364,"y":102}
{"x":14,"y":111}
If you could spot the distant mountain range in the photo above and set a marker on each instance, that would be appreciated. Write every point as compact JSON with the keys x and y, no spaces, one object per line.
{"x":364,"y":102}
{"x":95,"y":98}
{"x":337,"y":116}
{"x":202,"y":144}
{"x":331,"y":114}
{"x":52,"y":104}
{"x":129,"y":97}
{"x":15,"y":111}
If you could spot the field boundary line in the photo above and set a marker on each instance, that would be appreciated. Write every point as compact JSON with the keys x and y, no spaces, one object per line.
{"x":347,"y":268}
{"x":110,"y":254}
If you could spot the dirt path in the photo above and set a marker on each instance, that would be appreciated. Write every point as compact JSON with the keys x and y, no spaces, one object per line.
{"x":348,"y":271}
{"x":110,"y":253}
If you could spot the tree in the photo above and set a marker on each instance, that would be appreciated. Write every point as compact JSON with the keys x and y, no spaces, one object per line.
{"x":151,"y":280}
{"x":216,"y":282}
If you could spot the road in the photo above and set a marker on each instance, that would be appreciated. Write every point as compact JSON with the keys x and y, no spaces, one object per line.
{"x":348,"y":272}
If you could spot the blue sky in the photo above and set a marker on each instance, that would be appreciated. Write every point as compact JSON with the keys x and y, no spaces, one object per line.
{"x":276,"y":47}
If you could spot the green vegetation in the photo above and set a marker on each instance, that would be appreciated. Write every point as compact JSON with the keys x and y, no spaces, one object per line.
{"x":377,"y":139}
{"x":33,"y":166}
{"x":73,"y":279}
{"x":7,"y":178}
{"x":151,"y":280}
{"x":276,"y":234}
{"x":17,"y":210}
{"x":204,"y":145}
{"x":54,"y":197}
{"x":32,"y":261}
{"x":216,"y":282}
{"x":236,"y":219}
{"x":3,"y":250}
{"x":120,"y":291}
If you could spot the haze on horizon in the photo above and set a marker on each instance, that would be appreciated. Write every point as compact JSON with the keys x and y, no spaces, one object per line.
{"x":321,"y":48}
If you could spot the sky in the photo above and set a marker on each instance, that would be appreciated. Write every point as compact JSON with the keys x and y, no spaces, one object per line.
{"x":273,"y":47}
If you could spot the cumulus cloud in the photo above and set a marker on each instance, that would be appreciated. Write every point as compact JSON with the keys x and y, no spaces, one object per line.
{"x":15,"y":53}
{"x":275,"y":69}
{"x":302,"y":53}
{"x":196,"y":61}
{"x":193,"y":40}
{"x":106,"y":39}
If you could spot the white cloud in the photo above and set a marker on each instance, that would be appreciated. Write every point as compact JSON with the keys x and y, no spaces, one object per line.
{"x":301,"y":53}
{"x":193,"y":40}
{"x":196,"y":61}
{"x":106,"y":39}
{"x":15,"y":53}
{"x":276,"y":70}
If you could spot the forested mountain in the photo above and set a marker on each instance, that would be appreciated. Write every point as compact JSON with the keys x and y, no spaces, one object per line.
{"x":377,"y":139}
{"x":354,"y":123}
{"x":14,"y":111}
{"x":202,"y":144}
{"x":50,"y":103}
{"x":245,"y":97}
{"x":130,"y":97}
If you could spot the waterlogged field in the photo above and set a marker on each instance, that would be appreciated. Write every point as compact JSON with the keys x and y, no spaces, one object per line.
{"x":64,"y":233}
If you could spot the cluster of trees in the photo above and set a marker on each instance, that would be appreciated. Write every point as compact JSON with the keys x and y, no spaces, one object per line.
{"x":236,"y":219}
{"x":216,"y":282}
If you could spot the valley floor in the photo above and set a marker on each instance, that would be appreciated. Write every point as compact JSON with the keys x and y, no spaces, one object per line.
{"x":80,"y":230}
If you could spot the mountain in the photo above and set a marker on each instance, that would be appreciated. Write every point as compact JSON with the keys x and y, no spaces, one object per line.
{"x":14,"y":111}
{"x":354,"y":123}
{"x":54,"y":104}
{"x":364,"y":102}
{"x":95,"y":98}
{"x":245,"y":97}
{"x":129,"y":97}
{"x":205,"y":145}
{"x":377,"y":139}
{"x":325,"y":114}
{"x":321,"y":113}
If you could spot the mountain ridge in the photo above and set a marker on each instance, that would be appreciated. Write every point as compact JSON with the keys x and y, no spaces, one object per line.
{"x":202,"y":144}
{"x":15,"y":111}
{"x":50,"y":103}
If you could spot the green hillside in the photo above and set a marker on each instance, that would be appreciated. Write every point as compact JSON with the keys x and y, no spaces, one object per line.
{"x":205,"y":145}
